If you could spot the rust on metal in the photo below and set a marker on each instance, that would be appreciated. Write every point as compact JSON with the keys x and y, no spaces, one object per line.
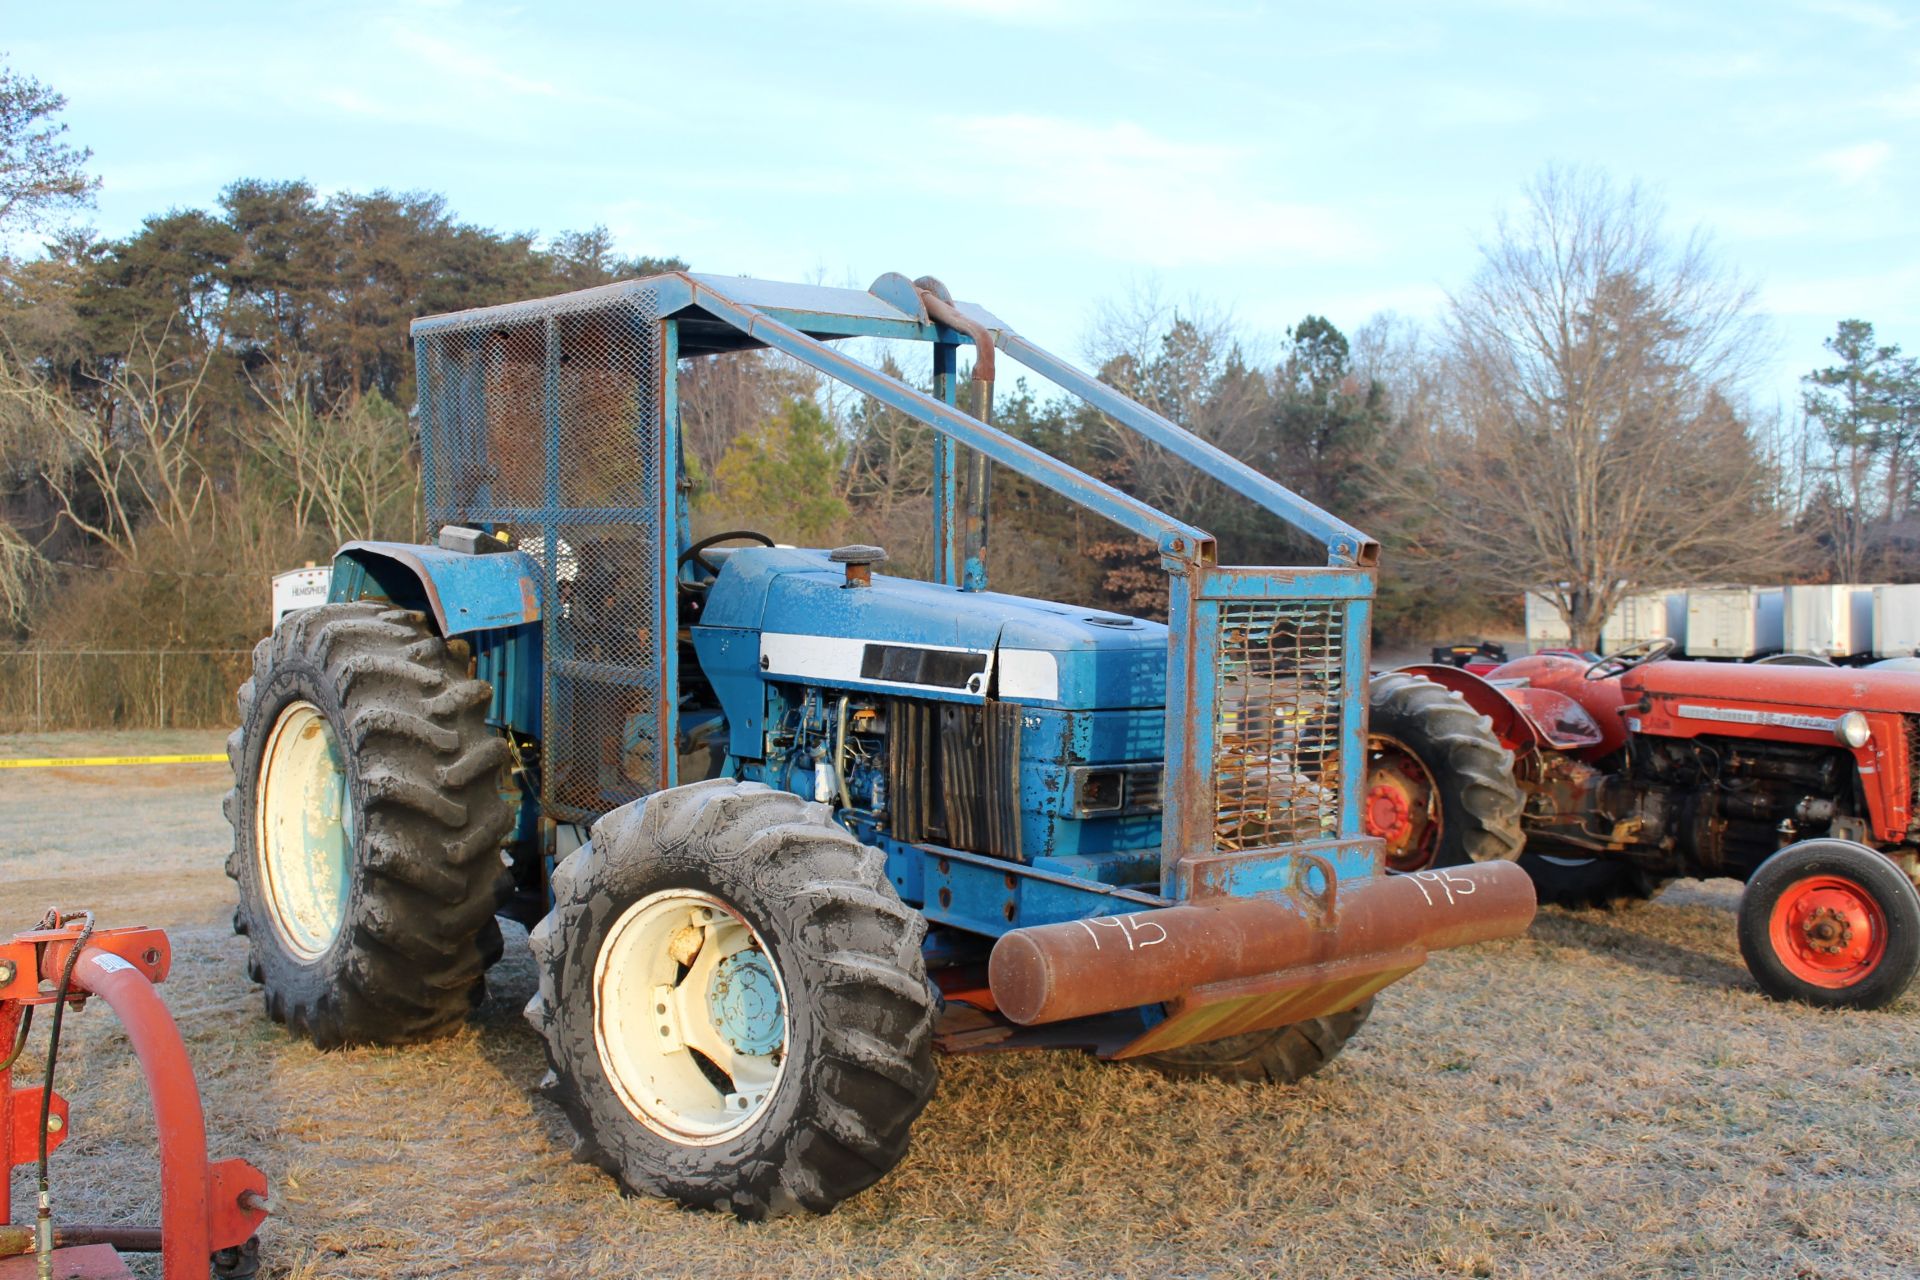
{"x":17,"y":1240}
{"x":80,"y":1262}
{"x":933,"y":296}
{"x":1050,"y":973}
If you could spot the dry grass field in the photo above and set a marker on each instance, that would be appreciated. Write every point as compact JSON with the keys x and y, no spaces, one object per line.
{"x":1608,"y":1096}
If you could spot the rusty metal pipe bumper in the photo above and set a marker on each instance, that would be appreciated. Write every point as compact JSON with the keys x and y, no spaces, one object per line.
{"x":1266,"y":957}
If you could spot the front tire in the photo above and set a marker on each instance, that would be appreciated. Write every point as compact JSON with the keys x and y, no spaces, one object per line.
{"x":367,"y":825}
{"x":1830,"y":922}
{"x":734,"y":1002}
{"x":1284,"y":1055}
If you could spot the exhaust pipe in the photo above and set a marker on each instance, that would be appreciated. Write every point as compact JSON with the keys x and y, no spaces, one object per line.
{"x":1050,"y":973}
{"x":979,"y":494}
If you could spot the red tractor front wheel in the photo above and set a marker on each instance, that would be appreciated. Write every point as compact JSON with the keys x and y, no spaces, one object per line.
{"x":1830,"y":922}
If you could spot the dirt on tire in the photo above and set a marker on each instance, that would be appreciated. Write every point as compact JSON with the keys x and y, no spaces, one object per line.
{"x":424,"y":778}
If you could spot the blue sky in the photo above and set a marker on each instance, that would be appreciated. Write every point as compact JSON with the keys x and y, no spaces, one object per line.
{"x":1043,"y":155}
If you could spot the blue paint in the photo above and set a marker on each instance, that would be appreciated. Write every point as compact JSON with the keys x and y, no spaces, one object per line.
{"x":464,"y":593}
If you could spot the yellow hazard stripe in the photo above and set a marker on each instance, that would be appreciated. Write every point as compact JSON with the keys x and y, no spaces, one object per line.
{"x":88,"y":762}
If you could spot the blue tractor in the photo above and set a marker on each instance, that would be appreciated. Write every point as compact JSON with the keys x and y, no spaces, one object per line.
{"x":782,"y":825}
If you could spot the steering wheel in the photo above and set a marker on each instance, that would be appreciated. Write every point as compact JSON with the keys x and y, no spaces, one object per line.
{"x":1621,"y":661}
{"x":696,"y":554}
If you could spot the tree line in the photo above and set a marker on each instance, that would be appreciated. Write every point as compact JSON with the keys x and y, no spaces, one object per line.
{"x":221,"y":394}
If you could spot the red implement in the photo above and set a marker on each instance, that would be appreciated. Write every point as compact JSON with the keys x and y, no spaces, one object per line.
{"x":205,"y":1208}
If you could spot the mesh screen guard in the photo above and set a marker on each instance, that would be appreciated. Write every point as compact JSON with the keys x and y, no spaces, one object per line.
{"x":544,"y":421}
{"x":1278,"y":686}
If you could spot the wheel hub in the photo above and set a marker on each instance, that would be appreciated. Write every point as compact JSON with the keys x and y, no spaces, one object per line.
{"x":1828,"y":930}
{"x":1402,"y":805}
{"x":1388,"y":816}
{"x":689,"y":1016}
{"x":745,"y":1003}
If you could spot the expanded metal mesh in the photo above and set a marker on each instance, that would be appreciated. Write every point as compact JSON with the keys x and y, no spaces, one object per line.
{"x":1277,"y":699}
{"x":544,"y":421}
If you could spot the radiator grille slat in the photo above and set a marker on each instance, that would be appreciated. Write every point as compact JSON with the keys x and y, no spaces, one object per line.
{"x":1277,"y":702}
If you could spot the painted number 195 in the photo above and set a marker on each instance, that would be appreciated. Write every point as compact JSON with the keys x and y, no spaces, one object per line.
{"x":1447,"y":882}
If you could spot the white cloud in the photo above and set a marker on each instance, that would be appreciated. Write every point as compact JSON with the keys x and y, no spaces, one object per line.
{"x":1128,"y":193}
{"x":1877,"y":17}
{"x":465,"y":65}
{"x":1024,"y":13}
{"x":1718,"y":64}
{"x":1880,"y":294}
{"x":1854,"y":164}
{"x":1902,"y":103}
{"x":1752,"y":221}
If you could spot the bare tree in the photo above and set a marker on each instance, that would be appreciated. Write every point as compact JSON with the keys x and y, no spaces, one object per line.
{"x":22,"y":571}
{"x":347,"y":472}
{"x":723,"y":397}
{"x":1590,"y":439}
{"x":130,"y":464}
{"x":1188,"y":365}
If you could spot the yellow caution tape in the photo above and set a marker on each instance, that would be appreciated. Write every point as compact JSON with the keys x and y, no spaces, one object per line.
{"x":88,"y":762}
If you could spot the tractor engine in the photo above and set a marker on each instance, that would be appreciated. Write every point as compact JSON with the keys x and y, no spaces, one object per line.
{"x":1018,"y":729}
{"x":1722,"y":806}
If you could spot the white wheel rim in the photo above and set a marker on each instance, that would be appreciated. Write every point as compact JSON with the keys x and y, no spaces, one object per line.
{"x":680,"y":978}
{"x":303,"y":838}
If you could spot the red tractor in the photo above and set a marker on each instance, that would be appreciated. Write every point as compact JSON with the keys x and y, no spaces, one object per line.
{"x":1618,"y":775}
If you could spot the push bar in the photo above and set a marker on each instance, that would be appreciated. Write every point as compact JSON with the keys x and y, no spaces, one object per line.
{"x":1053,"y":972}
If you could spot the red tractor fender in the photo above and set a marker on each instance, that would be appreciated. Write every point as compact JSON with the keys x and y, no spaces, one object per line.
{"x":1523,"y":717}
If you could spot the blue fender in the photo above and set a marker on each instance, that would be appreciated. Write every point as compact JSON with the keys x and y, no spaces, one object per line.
{"x":463,"y":592}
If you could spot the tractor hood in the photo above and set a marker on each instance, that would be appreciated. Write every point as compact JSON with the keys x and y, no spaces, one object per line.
{"x":901,"y":635}
{"x":1835,"y":688}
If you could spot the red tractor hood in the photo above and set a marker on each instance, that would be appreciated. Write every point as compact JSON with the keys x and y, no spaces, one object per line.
{"x":1838,"y":688}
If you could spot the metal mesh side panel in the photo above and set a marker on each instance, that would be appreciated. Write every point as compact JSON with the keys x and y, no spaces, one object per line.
{"x":547,"y":425}
{"x":1277,"y":696}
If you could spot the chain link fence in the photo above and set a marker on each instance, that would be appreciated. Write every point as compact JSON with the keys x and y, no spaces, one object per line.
{"x":54,"y":689}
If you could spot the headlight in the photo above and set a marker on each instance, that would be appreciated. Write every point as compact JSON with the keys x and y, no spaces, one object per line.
{"x":1853,"y":730}
{"x":1114,"y":791}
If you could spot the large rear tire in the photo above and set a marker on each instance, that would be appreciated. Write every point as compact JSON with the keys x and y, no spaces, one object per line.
{"x":734,"y":1003}
{"x":1440,"y":787}
{"x":1606,"y":883}
{"x":1833,"y":923}
{"x":1281,"y":1056}
{"x":368,"y":819}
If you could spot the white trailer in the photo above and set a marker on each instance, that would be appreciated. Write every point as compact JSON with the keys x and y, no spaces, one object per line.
{"x":1831,"y":620}
{"x":1546,"y":629}
{"x":1896,"y":620}
{"x":300,"y":588}
{"x":1645,"y":616}
{"x":1735,"y":622}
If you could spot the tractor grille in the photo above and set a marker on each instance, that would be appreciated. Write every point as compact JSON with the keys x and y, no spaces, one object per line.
{"x":1913,"y":773}
{"x":1277,"y":697}
{"x":543,"y":420}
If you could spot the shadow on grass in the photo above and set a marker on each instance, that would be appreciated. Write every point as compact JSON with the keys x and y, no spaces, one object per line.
{"x":1613,"y":935}
{"x":506,"y":1040}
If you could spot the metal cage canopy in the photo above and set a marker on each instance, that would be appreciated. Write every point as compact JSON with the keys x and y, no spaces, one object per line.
{"x":556,"y":420}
